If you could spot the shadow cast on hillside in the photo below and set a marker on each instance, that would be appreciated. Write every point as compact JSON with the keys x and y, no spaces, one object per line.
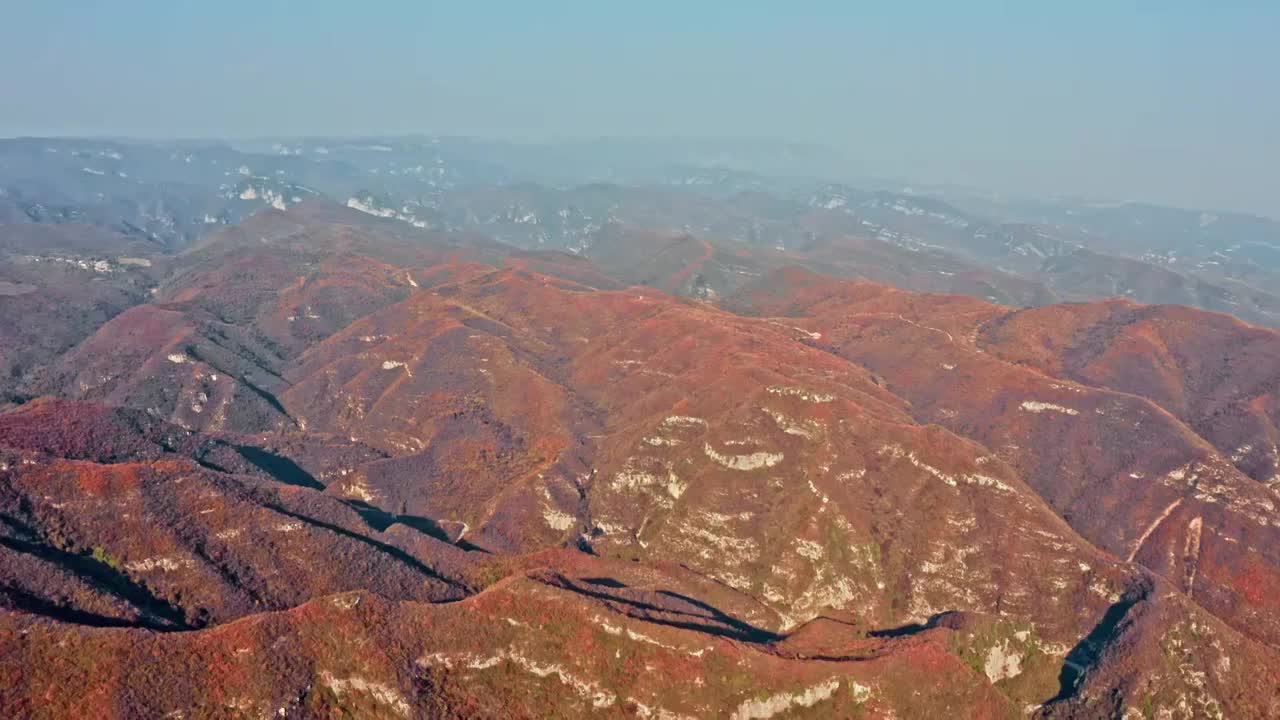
{"x":378,"y":545}
{"x":100,"y":574}
{"x":280,"y":468}
{"x":634,"y":603}
{"x":379,"y":519}
{"x":913,"y":628}
{"x":1086,"y":653}
{"x":28,"y":603}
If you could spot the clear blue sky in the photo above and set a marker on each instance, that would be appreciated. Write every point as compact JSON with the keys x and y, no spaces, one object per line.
{"x":1170,"y":101}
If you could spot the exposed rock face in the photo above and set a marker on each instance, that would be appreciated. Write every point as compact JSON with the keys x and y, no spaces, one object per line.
{"x":1124,"y":471}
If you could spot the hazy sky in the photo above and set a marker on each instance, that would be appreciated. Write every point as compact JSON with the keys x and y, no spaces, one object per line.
{"x":1167,"y":101}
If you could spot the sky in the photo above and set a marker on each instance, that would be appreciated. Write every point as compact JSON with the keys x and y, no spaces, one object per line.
{"x":1174,"y":102}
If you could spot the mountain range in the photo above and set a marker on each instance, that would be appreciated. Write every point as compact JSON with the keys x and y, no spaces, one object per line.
{"x":440,"y":428}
